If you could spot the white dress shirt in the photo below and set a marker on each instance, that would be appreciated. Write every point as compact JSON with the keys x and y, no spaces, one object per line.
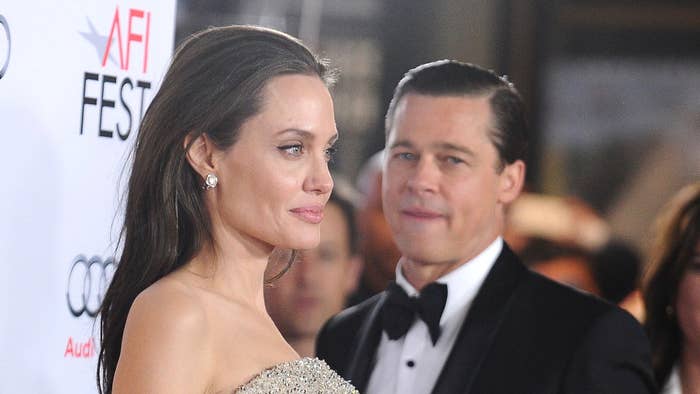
{"x":411,"y":364}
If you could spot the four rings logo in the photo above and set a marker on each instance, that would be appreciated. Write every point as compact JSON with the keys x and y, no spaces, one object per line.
{"x":87,"y":283}
{"x":4,"y":57}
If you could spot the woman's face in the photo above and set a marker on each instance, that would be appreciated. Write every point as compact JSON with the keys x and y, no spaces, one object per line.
{"x":274,"y":181}
{"x":688,"y":302}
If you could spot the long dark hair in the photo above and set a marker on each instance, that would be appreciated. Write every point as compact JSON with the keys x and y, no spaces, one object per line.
{"x":214,"y":84}
{"x":678,"y":235}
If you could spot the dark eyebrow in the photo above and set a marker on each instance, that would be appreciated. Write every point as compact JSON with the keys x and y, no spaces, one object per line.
{"x":438,"y":145}
{"x":307,"y":135}
{"x":458,"y":148}
{"x":401,"y":144}
{"x":304,"y":134}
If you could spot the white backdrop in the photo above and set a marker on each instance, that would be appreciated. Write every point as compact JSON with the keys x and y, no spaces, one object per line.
{"x":69,"y":109}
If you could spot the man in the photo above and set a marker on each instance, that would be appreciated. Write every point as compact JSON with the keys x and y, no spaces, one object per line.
{"x":455,"y":150}
{"x":376,"y":244}
{"x":317,"y":286}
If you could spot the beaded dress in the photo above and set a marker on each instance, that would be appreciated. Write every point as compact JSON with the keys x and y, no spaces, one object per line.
{"x":306,"y":375}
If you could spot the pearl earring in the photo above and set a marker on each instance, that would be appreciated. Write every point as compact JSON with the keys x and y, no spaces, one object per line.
{"x":210,"y":182}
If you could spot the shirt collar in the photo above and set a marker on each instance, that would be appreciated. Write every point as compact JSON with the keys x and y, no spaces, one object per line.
{"x":464,"y":282}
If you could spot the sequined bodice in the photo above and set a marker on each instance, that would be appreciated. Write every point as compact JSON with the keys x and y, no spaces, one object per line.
{"x":307,"y":375}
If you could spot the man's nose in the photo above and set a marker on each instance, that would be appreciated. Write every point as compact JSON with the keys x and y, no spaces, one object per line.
{"x":425,"y":176}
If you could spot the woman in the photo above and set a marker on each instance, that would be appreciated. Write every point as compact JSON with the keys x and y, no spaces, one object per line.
{"x":229,"y":165}
{"x":672,"y":295}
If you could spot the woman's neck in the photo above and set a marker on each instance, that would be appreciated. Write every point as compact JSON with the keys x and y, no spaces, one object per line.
{"x":234,"y":267}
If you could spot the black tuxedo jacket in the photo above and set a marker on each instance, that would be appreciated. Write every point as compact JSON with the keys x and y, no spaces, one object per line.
{"x":523,"y":334}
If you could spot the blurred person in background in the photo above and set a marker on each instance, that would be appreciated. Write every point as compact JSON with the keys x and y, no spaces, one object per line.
{"x":563,"y":220}
{"x":569,"y":265}
{"x":317,"y":285}
{"x":604,"y":265}
{"x":376,"y":244}
{"x":672,"y":294}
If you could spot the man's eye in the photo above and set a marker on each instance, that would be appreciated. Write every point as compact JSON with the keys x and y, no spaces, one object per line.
{"x":406,"y":156}
{"x":454,"y":160}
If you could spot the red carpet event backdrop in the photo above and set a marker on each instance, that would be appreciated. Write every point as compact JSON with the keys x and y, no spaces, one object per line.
{"x":76,"y":77}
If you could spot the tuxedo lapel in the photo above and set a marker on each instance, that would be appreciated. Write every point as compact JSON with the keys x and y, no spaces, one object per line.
{"x":481,"y":325}
{"x":370,"y":333}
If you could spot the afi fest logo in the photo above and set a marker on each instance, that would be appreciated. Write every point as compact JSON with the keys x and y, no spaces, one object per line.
{"x":6,"y":42}
{"x":113,"y":97}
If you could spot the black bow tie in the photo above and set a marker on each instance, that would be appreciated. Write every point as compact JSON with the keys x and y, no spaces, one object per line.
{"x":400,"y":310}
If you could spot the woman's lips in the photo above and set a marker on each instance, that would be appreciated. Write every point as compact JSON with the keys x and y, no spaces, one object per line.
{"x":312,"y":214}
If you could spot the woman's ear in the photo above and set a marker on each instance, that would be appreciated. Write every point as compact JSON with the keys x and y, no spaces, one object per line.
{"x":511,"y":182}
{"x":200,"y":154}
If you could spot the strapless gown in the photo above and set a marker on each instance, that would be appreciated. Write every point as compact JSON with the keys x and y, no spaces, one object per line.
{"x":306,"y":375}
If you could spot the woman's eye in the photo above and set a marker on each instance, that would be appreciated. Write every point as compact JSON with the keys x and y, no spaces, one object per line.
{"x":330,"y":153}
{"x":294,"y":150}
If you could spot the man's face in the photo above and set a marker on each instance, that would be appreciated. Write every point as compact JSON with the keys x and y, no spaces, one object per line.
{"x":317,"y":285}
{"x":443,"y":192}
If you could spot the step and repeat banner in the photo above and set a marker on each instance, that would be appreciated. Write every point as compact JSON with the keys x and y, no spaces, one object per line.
{"x":75,"y":79}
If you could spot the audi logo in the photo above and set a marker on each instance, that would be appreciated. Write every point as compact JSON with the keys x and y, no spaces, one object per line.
{"x":6,"y":62}
{"x":87,"y":283}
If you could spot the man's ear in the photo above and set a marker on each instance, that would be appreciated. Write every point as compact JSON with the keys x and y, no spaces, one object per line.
{"x":200,"y":154}
{"x":511,"y":181}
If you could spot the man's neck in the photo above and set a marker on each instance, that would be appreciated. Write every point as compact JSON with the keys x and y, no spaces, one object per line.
{"x":421,"y":273}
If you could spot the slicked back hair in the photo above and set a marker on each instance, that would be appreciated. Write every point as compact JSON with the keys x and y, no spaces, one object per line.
{"x":509,"y":129}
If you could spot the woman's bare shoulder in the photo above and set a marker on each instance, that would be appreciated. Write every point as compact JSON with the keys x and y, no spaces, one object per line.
{"x":169,"y":298}
{"x":166,"y":344}
{"x":167,"y":308}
